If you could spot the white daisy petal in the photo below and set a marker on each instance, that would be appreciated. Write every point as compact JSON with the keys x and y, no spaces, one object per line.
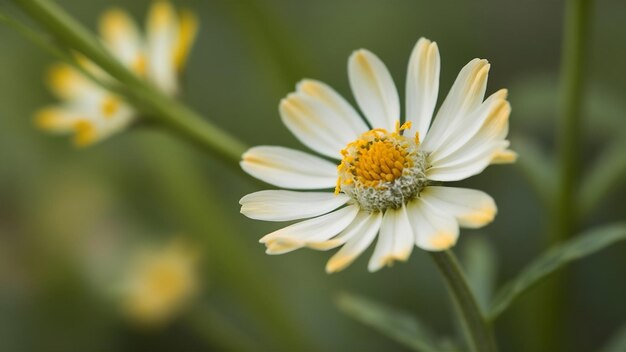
{"x":313,"y":230}
{"x":471,"y":208}
{"x":422,"y":86}
{"x":404,"y":239}
{"x":506,"y":156}
{"x":356,"y":228}
{"x":495,"y":108}
{"x":464,"y":97}
{"x":316,"y":124}
{"x":68,"y":83}
{"x":163,"y":34}
{"x":374,"y":89}
{"x":396,"y":239}
{"x":288,"y":168}
{"x":56,"y":119}
{"x":382,"y":252}
{"x":469,"y":163}
{"x":187,"y":31}
{"x":280,"y":205}
{"x":356,"y":245}
{"x":434,"y":230}
{"x":121,"y":36}
{"x":329,"y":97}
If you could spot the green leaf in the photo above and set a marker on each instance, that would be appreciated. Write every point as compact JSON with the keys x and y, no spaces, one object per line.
{"x":556,"y":258}
{"x":617,"y":343}
{"x":480,"y":264}
{"x":395,"y":324}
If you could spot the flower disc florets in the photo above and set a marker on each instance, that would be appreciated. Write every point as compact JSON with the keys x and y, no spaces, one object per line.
{"x":382,"y":170}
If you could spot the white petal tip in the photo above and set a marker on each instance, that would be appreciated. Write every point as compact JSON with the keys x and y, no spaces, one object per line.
{"x":336,"y":264}
{"x":439,"y":242}
{"x":505,"y":157}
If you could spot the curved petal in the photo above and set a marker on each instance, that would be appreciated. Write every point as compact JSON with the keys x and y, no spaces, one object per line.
{"x":396,"y":239}
{"x":68,"y":83}
{"x":121,"y":35}
{"x":187,"y":31}
{"x":434,"y":230}
{"x":469,"y":164}
{"x":422,"y":86}
{"x":464,"y":97}
{"x":280,"y":205}
{"x":495,"y":108}
{"x":505,"y":156}
{"x":162,"y":36}
{"x":471,"y":208}
{"x":342,"y":110}
{"x":354,"y":229}
{"x":288,"y":168}
{"x":317,"y":229}
{"x":315,"y":124}
{"x":56,"y":119}
{"x":356,"y":245}
{"x":374,"y":89}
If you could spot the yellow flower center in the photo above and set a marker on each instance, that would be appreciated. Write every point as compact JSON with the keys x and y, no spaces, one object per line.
{"x":110,"y":106}
{"x":382,"y":169}
{"x":380,"y":160}
{"x":85,"y":133}
{"x":376,"y":157}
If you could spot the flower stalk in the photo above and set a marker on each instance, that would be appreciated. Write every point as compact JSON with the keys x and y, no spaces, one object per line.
{"x":575,"y":45}
{"x":156,"y":104}
{"x":478,"y":331}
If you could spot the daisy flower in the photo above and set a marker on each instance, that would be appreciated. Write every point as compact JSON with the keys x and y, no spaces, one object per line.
{"x":386,"y":173}
{"x":91,"y":112}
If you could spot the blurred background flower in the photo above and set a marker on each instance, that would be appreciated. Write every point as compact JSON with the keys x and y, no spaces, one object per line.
{"x":93,"y":112}
{"x":59,"y":205}
{"x":158,"y":282}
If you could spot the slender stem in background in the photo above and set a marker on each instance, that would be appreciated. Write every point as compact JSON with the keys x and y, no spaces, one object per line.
{"x":575,"y":47}
{"x":479,"y":332}
{"x":158,"y":105}
{"x":552,"y":303}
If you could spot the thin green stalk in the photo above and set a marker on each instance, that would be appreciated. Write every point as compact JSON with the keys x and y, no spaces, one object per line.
{"x":48,"y":46}
{"x":552,"y":304}
{"x":478,"y":331}
{"x":158,"y":105}
{"x":575,"y":46}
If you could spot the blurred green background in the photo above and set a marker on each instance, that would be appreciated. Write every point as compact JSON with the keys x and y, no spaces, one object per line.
{"x":66,"y":214}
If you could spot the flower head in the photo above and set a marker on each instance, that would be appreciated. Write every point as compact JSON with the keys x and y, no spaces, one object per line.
{"x":159,"y":282}
{"x":93,"y":113}
{"x":387,"y":171}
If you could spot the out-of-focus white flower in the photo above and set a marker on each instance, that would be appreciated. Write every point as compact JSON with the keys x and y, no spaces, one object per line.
{"x":387,"y":172}
{"x":159,"y":282}
{"x":91,"y":112}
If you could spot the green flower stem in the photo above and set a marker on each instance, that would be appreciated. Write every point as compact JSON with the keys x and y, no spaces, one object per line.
{"x":158,"y":105}
{"x":552,"y":301}
{"x":478,"y":331}
{"x":569,"y":136}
